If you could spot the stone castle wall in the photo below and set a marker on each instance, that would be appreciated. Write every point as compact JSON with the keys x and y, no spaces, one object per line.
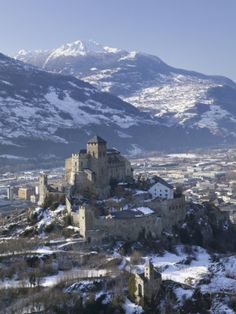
{"x":167,"y":214}
{"x":127,"y":229}
{"x":171,"y":211}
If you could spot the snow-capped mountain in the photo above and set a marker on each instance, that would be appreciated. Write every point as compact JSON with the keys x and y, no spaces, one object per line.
{"x":174,"y":96}
{"x":44,"y":113}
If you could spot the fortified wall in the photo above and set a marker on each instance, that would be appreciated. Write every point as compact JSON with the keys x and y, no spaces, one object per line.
{"x":172,"y":211}
{"x":167,"y":213}
{"x":107,"y":227}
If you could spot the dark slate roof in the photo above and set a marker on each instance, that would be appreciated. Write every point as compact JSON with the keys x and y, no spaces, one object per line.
{"x":97,"y":139}
{"x":162,"y":181}
{"x":83,"y":151}
{"x":126,"y":214}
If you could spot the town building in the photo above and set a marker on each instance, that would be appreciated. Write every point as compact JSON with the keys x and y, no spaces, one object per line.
{"x":161,"y":188}
{"x":24,"y":193}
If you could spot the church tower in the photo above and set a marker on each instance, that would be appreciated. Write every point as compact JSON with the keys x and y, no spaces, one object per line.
{"x":149,"y":270}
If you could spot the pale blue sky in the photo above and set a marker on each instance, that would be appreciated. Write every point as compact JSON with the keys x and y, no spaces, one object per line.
{"x":192,"y":34}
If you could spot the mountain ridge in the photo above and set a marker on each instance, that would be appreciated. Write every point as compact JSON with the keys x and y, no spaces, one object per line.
{"x":171,"y":95}
{"x":46,"y":113}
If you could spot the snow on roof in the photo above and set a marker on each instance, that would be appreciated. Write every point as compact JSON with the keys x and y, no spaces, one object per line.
{"x":144,"y":210}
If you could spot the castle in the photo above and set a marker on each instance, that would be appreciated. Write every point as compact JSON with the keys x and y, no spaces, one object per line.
{"x":91,"y":172}
{"x":93,"y":169}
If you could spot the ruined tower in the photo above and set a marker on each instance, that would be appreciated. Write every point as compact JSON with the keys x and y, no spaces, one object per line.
{"x":43,"y":187}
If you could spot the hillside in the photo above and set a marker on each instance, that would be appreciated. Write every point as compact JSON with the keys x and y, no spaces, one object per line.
{"x":44,"y":114}
{"x":176,"y":97}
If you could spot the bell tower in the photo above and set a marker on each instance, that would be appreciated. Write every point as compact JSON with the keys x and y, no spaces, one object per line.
{"x":149,"y":270}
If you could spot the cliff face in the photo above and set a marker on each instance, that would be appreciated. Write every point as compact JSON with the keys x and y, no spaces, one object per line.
{"x":207,"y":226}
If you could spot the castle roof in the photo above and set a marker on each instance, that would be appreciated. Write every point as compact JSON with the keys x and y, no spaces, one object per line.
{"x":157,"y":179}
{"x":97,"y":140}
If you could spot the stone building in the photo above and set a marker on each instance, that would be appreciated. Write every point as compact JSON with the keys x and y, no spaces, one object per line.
{"x":24,"y":193}
{"x":147,"y":284}
{"x":45,"y":189}
{"x":162,"y":189}
{"x":94,"y":168}
{"x":126,"y":225}
{"x":129,"y":224}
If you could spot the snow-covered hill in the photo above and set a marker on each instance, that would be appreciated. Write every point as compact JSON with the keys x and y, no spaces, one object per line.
{"x":44,"y":113}
{"x":41,"y":111}
{"x":175,"y":96}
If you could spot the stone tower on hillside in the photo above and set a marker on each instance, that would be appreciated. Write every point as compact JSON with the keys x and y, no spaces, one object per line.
{"x":43,"y":188}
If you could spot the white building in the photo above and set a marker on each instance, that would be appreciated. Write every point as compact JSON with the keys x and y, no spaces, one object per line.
{"x":161,"y":188}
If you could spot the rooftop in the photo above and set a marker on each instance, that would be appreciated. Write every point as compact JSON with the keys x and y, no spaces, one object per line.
{"x":157,"y":179}
{"x":97,"y":140}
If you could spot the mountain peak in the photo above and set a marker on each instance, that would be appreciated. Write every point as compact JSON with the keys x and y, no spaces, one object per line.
{"x":82,"y":48}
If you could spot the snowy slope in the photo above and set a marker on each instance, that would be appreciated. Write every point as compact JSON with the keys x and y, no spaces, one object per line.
{"x":49,"y":114}
{"x":39,"y":106}
{"x":174,"y":96}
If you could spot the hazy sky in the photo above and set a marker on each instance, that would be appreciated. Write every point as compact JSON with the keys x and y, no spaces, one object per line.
{"x":192,"y":34}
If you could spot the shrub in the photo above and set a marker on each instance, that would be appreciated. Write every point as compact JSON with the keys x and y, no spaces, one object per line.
{"x":132,"y":287}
